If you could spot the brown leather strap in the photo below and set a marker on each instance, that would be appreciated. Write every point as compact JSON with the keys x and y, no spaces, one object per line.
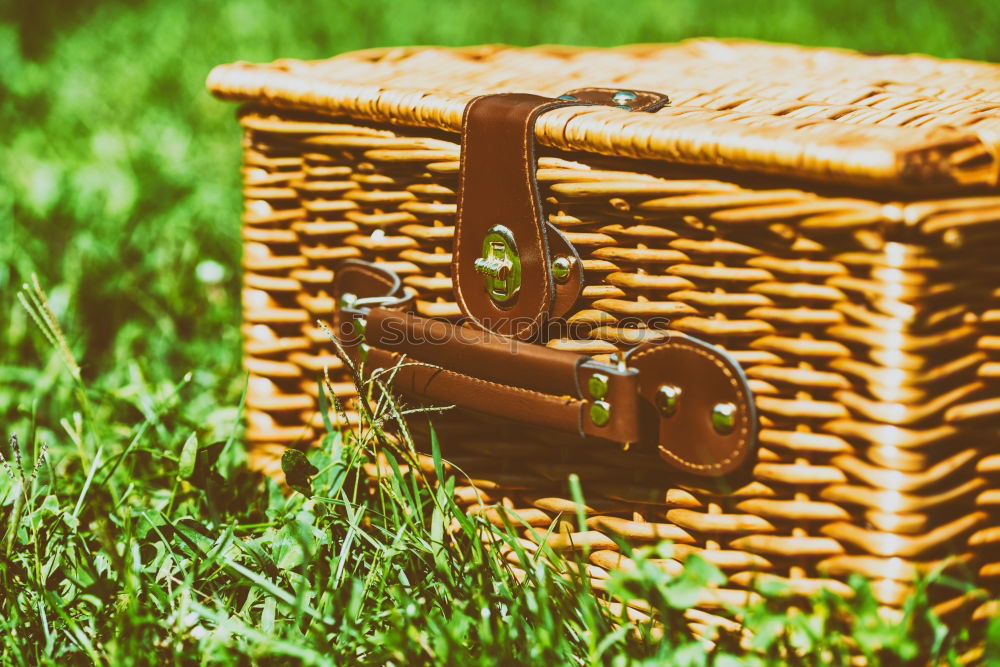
{"x":474,"y":352}
{"x":498,"y":189}
{"x":447,"y":387}
{"x":443,"y":362}
{"x":504,"y":368}
{"x":477,"y":370}
{"x":497,"y":186}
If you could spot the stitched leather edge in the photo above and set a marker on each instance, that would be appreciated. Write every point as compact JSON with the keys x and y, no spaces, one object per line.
{"x":738,"y":384}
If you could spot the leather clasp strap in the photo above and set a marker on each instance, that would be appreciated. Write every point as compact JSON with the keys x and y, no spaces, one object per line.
{"x":687,"y":397}
{"x":498,"y":190}
{"x":499,"y":375}
{"x":499,"y":204}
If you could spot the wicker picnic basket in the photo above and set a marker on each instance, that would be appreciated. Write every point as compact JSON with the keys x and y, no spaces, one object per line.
{"x":829,"y":222}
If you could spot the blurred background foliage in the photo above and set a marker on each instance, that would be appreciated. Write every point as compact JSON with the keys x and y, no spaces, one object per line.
{"x":120,"y":173}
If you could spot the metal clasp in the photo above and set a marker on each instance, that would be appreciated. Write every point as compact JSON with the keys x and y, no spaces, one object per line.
{"x":351,"y":301}
{"x":500,"y":265}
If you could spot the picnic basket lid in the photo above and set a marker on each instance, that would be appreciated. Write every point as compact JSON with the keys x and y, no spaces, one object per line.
{"x":902,"y":121}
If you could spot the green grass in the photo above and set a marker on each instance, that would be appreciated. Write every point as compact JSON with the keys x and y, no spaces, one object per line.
{"x":121,"y":193}
{"x":115,"y":552}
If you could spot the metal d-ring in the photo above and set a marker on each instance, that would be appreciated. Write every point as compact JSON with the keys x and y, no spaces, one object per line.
{"x":371,"y":301}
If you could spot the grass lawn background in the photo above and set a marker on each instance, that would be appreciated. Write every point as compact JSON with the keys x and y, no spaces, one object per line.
{"x":121,"y":193}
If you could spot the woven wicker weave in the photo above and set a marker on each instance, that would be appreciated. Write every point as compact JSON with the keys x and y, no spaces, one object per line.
{"x":831,"y":219}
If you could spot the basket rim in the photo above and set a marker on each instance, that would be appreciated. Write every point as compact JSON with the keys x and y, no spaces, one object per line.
{"x":918,"y":122}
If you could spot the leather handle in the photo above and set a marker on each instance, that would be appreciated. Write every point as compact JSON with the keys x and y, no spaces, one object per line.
{"x":443,"y":362}
{"x":447,"y":387}
{"x":497,"y":375}
{"x":474,"y":351}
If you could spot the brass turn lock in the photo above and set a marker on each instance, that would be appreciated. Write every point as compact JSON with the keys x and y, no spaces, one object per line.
{"x":500,"y":265}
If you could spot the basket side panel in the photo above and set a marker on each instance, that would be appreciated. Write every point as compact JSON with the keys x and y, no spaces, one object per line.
{"x":872,"y":350}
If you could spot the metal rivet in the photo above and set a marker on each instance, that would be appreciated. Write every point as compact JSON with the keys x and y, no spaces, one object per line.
{"x":600,"y":412}
{"x":667,"y":397}
{"x":347,"y":299}
{"x":562,"y":267}
{"x":569,"y":98}
{"x":623,"y":107}
{"x":724,"y":417}
{"x":359,"y":327}
{"x":597,"y":385}
{"x":623,"y":96}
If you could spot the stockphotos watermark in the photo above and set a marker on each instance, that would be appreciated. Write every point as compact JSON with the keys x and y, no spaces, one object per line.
{"x":409,"y":331}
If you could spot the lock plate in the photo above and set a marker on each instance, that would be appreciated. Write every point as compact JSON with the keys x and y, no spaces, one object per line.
{"x":499,"y":265}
